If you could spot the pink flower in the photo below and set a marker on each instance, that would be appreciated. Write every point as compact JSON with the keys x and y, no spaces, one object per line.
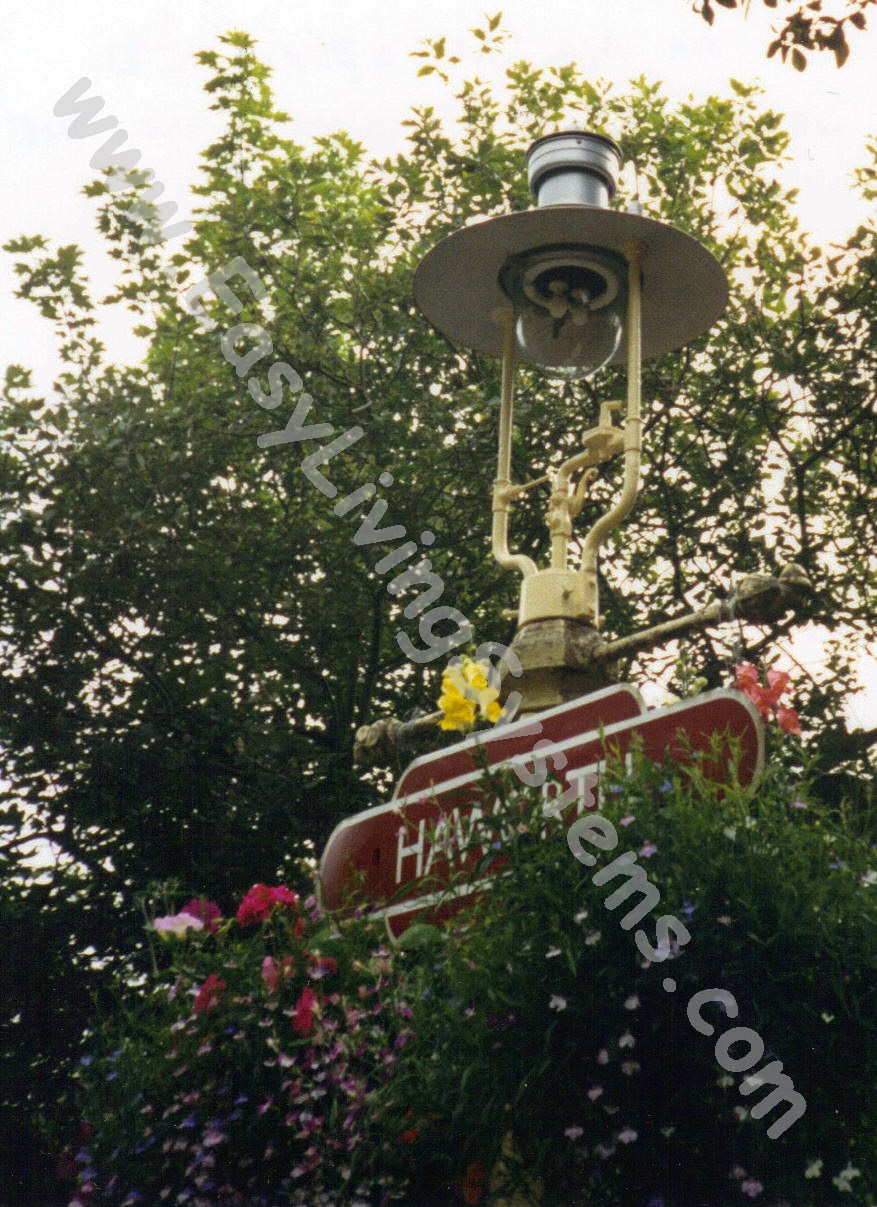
{"x":261,"y":900}
{"x":627,"y":820}
{"x":595,"y":1092}
{"x":627,"y":1136}
{"x":746,"y":675}
{"x":788,"y":721}
{"x":303,"y":1015}
{"x":777,"y":683}
{"x":270,"y":974}
{"x":647,"y":850}
{"x":205,"y":911}
{"x":209,"y":994}
{"x":767,"y":699}
{"x":752,"y":1187}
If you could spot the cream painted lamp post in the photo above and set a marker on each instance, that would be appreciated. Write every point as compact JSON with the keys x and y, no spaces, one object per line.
{"x":572,"y":286}
{"x":569,"y":286}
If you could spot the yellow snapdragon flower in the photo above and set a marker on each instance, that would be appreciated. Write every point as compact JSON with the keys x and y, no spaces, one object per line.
{"x":466,"y":695}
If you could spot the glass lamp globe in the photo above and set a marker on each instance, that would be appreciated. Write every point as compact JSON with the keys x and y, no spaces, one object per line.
{"x":568,"y":308}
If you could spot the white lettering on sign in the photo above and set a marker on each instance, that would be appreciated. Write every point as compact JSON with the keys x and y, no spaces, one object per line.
{"x":459,"y":831}
{"x":402,"y":852}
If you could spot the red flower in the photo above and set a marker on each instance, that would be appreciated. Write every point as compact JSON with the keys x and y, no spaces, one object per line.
{"x":205,"y":911}
{"x":303,"y":1015}
{"x":472,"y":1184}
{"x":209,"y":994}
{"x":261,"y":900}
{"x":408,"y":1137}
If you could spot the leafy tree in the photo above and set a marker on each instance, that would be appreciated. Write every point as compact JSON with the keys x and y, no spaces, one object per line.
{"x":804,"y":26}
{"x":191,"y":634}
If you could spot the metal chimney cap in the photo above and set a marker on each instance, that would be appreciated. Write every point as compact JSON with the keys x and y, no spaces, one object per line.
{"x":575,"y":155}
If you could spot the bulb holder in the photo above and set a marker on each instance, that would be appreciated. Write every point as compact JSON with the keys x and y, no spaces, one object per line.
{"x":568,"y":303}
{"x":526,"y":278}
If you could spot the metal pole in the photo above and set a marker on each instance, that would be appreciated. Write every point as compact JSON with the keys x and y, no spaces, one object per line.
{"x":632,"y":435}
{"x":502,"y":494}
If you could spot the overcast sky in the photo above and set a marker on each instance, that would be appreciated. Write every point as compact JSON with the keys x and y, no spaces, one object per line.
{"x":345,"y":64}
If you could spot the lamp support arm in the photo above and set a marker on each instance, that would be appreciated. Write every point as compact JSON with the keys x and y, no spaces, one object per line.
{"x":648,"y":639}
{"x":503,"y":491}
{"x":755,"y":599}
{"x":632,"y":437}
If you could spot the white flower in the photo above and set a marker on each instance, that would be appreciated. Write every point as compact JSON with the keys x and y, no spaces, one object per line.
{"x":627,"y":1136}
{"x":730,"y":832}
{"x":580,"y":916}
{"x":593,"y":937}
{"x":869,"y":878}
{"x":632,"y":1002}
{"x":626,"y":1040}
{"x":826,"y":1017}
{"x":557,"y":1002}
{"x":552,"y":952}
{"x":177,"y":924}
{"x":844,"y":1180}
{"x":740,"y":1113}
{"x":574,"y":1132}
{"x":814,"y":1169}
{"x":725,"y":1080}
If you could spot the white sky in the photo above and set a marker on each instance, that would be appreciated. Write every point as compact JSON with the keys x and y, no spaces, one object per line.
{"x":344,"y":64}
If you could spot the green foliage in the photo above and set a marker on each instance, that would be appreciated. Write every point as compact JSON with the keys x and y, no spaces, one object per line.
{"x":543,"y":1016}
{"x":805,"y":27}
{"x":191,"y":636}
{"x":529,"y":1041}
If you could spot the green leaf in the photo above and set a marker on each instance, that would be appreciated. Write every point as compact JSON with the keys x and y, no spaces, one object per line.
{"x":419,"y":936}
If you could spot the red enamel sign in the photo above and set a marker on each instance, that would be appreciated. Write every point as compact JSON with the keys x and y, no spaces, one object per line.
{"x":398,"y":859}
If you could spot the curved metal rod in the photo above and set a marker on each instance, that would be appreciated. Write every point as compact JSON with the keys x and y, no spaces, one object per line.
{"x":632,"y":435}
{"x":503,"y":492}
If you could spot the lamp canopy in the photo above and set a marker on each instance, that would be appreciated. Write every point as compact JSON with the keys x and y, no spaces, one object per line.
{"x":461,"y":284}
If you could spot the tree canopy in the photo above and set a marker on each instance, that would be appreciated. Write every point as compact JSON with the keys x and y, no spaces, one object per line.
{"x":191,"y":634}
{"x":804,"y":27}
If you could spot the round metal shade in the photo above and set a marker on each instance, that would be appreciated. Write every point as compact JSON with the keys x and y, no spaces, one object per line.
{"x":457,"y":288}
